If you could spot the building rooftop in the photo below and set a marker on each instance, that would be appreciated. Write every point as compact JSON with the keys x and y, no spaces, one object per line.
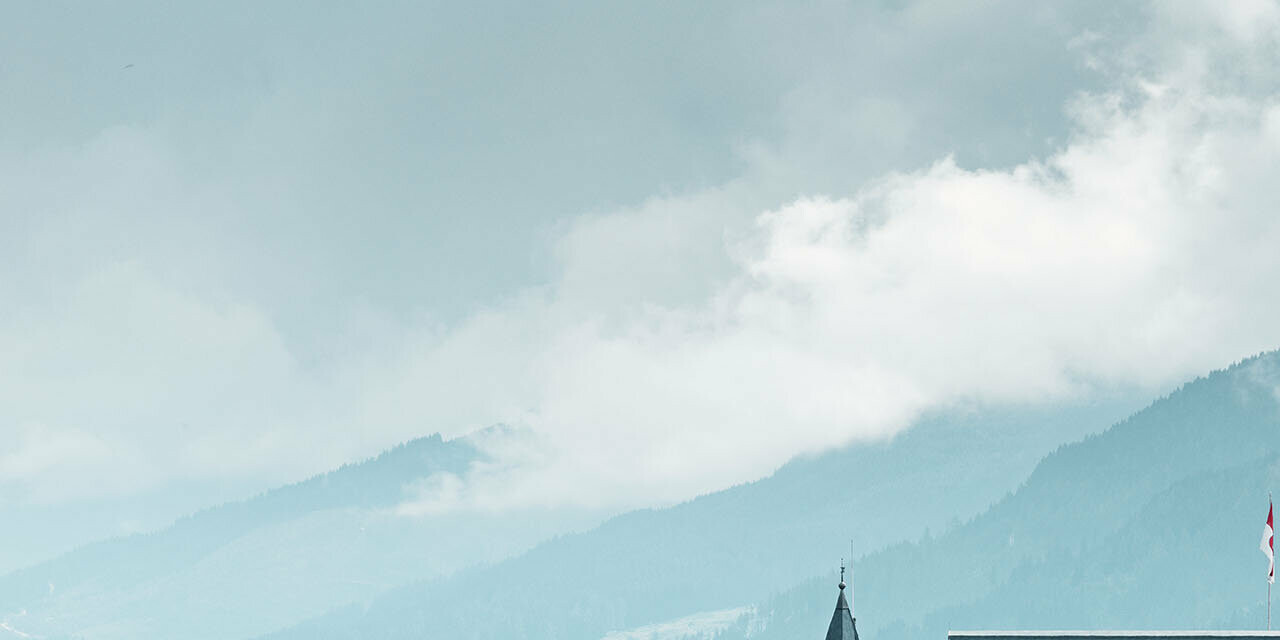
{"x":842,"y":625}
{"x":1186,"y":635}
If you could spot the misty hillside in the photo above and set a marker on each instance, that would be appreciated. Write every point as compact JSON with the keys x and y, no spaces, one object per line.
{"x":301,"y":550}
{"x":1153,"y":524}
{"x":273,"y":559}
{"x":51,"y":528}
{"x":1191,"y":468}
{"x":734,"y":547}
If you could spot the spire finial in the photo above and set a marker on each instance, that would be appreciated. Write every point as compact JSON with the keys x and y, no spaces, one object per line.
{"x":842,"y":574}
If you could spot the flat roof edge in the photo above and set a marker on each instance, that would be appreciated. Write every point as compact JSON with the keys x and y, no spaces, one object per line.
{"x":1113,"y":634}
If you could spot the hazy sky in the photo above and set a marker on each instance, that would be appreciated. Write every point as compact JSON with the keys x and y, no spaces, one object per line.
{"x":679,"y":241}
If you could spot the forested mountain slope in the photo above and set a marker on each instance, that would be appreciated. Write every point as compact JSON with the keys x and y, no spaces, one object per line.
{"x":736,"y":546}
{"x":1154,"y":523}
{"x":248,"y":567}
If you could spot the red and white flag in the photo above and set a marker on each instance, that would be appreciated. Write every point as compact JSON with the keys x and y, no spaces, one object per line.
{"x":1268,"y":545}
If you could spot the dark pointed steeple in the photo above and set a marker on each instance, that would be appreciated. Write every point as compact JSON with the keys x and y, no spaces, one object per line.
{"x":842,"y":621}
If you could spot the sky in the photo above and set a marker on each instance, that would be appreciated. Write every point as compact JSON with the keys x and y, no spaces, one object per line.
{"x":674,"y":243}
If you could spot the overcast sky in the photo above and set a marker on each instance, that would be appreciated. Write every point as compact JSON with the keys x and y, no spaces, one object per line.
{"x":680,"y":242}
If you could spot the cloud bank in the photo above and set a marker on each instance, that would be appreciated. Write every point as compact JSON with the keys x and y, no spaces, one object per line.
{"x":1141,"y":253}
{"x":697,"y":338}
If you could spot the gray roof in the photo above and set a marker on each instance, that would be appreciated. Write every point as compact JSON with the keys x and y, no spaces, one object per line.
{"x":1111,"y":635}
{"x":842,"y":626}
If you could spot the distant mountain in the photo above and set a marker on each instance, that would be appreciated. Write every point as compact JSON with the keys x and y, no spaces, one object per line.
{"x":249,"y":567}
{"x":1152,"y":524}
{"x":734,"y":547}
{"x":40,"y":530}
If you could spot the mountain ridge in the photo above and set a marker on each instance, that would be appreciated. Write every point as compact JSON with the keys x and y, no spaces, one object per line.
{"x":733,"y":546}
{"x":276,"y":557}
{"x":1071,"y":508}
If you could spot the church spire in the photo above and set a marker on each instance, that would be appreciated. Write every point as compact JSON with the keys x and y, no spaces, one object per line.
{"x":842,"y":622}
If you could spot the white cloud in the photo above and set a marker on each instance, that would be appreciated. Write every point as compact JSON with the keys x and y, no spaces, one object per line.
{"x":1140,"y":254}
{"x":687,"y":342}
{"x":121,"y":349}
{"x":39,"y":449}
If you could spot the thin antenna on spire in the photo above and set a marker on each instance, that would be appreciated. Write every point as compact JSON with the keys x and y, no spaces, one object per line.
{"x":852,"y":611}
